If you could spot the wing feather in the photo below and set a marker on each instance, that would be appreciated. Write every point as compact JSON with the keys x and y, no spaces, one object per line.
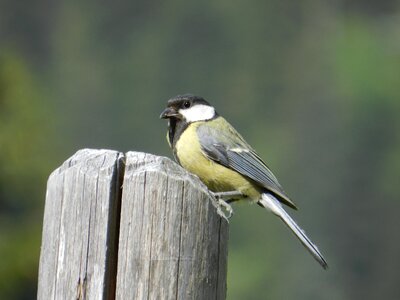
{"x":232,"y":151}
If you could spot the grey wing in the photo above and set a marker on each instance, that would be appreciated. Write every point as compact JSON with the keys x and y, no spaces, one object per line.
{"x":233,"y":152}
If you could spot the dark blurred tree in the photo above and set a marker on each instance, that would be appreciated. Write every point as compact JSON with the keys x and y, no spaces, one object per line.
{"x":367,"y":72}
{"x":27,"y":26}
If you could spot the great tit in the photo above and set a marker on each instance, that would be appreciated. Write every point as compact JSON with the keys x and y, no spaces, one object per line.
{"x":206,"y":145}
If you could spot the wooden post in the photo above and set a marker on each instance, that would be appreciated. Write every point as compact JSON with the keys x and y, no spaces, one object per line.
{"x":156,"y":235}
{"x":78,"y":254}
{"x":173,"y":244}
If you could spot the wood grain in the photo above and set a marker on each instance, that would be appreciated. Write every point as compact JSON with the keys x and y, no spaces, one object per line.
{"x":134,"y":226}
{"x":173,"y":244}
{"x":79,"y":240}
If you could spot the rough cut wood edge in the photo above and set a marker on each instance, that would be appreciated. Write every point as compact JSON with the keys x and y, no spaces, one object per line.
{"x":79,"y":240}
{"x":172,"y":242}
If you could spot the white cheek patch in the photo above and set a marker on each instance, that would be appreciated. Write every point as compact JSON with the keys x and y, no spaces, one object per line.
{"x":198,"y":112}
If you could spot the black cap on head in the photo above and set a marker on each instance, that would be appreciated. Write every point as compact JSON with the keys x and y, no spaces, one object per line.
{"x":178,"y":100}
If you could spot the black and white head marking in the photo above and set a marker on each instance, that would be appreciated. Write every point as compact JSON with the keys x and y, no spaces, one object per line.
{"x":197,"y":112}
{"x":184,"y":110}
{"x":193,"y":108}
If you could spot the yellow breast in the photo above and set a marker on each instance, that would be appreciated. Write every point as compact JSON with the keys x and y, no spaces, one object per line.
{"x":215,"y":176}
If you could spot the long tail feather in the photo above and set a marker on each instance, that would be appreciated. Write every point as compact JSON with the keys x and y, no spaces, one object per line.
{"x":271,"y":203}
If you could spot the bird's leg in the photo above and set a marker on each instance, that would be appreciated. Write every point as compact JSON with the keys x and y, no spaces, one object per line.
{"x":228,"y":195}
{"x":223,"y":201}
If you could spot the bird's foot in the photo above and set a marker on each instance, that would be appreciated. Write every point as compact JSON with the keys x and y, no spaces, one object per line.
{"x":225,"y":210}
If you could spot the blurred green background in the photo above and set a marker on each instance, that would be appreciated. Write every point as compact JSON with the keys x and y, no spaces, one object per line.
{"x":314,"y":86}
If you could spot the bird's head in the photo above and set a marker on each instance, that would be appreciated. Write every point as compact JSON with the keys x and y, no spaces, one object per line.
{"x":188,"y":108}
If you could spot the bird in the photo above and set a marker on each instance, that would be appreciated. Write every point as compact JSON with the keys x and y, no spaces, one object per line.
{"x":205,"y":144}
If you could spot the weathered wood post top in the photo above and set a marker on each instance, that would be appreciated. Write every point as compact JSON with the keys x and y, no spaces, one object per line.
{"x":130,"y":226}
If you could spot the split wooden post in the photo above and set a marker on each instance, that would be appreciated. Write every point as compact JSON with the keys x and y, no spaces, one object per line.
{"x":134,"y":226}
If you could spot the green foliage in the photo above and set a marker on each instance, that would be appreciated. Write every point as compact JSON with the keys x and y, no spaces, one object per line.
{"x":20,"y":245}
{"x":26,"y":145}
{"x":367,"y":64}
{"x":25,"y":139}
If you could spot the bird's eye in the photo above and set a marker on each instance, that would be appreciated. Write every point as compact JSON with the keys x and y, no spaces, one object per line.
{"x":186,"y":104}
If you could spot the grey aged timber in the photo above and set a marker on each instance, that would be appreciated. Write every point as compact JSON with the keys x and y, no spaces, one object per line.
{"x":78,"y":254}
{"x":134,"y":226}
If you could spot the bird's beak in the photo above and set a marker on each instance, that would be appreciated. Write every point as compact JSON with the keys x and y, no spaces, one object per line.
{"x":169,"y":113}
